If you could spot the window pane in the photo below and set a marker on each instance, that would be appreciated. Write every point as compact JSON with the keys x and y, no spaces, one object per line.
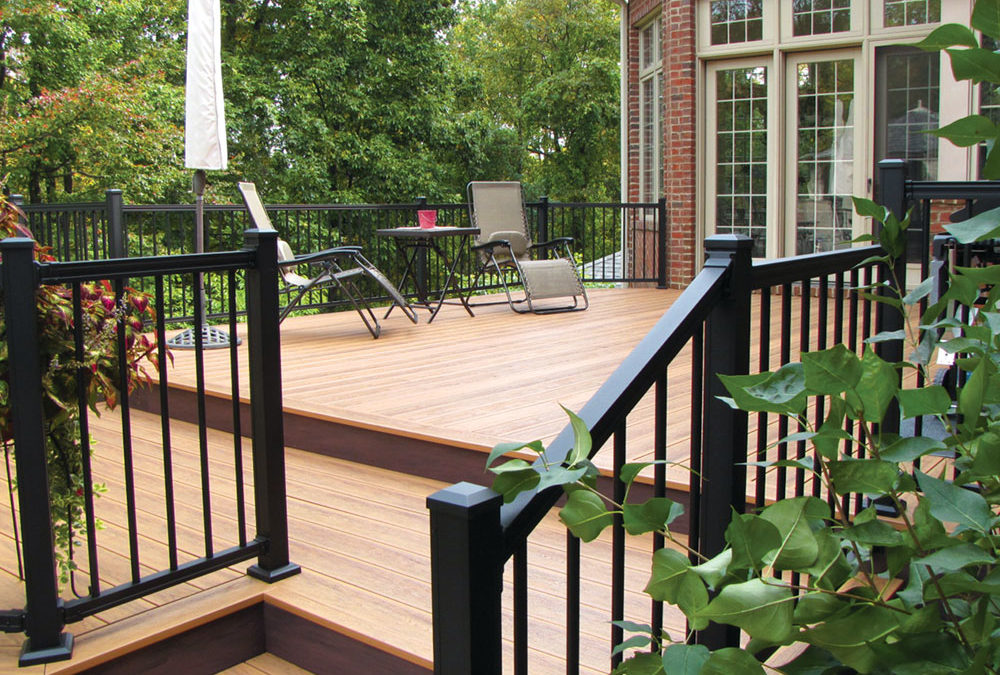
{"x":741,"y":154}
{"x":734,"y":21}
{"x":909,"y":88}
{"x":825,"y":176}
{"x":819,"y":17}
{"x":911,"y":12}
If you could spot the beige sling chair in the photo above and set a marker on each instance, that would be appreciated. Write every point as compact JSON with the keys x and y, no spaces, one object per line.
{"x":335,"y":267}
{"x":503,"y":246}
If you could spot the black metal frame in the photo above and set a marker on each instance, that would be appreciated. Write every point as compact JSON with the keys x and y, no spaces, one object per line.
{"x":45,"y":613}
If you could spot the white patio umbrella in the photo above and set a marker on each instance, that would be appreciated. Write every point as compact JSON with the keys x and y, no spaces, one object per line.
{"x":204,"y":131}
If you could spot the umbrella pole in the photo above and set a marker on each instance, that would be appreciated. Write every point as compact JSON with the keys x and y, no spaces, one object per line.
{"x":211,"y":337}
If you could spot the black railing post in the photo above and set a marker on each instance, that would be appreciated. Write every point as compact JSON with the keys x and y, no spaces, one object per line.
{"x":892,"y":184}
{"x":466,"y":579}
{"x":266,"y":411}
{"x":543,"y":218}
{"x":661,"y":243}
{"x":18,"y":201}
{"x":44,"y":622}
{"x":724,"y":430}
{"x":116,"y":224}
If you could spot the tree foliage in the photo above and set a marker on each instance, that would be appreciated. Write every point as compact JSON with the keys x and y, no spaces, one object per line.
{"x":326,"y":100}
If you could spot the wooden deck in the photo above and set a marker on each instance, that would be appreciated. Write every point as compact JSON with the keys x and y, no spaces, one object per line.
{"x":359,"y":532}
{"x":373,"y":427}
{"x":440,"y":390}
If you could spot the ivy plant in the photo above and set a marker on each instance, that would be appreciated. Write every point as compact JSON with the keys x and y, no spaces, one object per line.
{"x":105,"y":315}
{"x":846,"y":590}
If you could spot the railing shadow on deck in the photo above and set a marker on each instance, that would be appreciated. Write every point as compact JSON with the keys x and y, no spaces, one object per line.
{"x":799,"y":304}
{"x":250,"y":272}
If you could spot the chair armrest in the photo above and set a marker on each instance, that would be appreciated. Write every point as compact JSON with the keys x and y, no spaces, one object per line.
{"x":322,"y":256}
{"x":552,"y":243}
{"x":491,"y":245}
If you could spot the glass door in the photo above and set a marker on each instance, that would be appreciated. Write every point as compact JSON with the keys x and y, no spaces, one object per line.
{"x":824,"y":151}
{"x":738,"y":146}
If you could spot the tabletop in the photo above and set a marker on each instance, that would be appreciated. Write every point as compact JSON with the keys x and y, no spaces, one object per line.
{"x":427,"y":232}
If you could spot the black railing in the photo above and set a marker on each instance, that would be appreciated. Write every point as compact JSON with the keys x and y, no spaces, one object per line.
{"x":736,"y":317}
{"x":614,"y":242}
{"x":213,"y":540}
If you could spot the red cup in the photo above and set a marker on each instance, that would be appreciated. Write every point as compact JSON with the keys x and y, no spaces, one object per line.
{"x":427,"y":219}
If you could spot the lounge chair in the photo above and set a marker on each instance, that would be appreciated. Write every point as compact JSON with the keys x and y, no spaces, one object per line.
{"x":334,"y":267}
{"x":504,"y":247}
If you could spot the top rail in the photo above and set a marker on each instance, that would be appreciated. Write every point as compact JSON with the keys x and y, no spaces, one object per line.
{"x":767,"y":273}
{"x":622,"y":391}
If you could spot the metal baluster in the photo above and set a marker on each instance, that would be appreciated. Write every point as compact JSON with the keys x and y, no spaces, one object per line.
{"x":168,"y":463}
{"x":821,"y":323}
{"x":133,"y":528}
{"x":199,"y":366}
{"x":520,"y":561}
{"x":763,"y":364}
{"x":618,"y":547}
{"x":659,"y":476}
{"x":82,"y":376}
{"x":572,"y":604}
{"x":234,"y":369}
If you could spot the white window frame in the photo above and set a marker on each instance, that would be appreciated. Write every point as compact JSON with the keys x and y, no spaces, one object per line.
{"x":651,"y":148}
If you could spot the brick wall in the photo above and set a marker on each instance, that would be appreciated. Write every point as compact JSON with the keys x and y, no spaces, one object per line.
{"x":678,"y":145}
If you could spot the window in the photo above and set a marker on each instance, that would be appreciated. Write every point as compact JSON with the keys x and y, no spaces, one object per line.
{"x":824,"y":166}
{"x":910,"y":12}
{"x":907,"y":90}
{"x":650,"y":111}
{"x":819,"y":17}
{"x":741,"y":154}
{"x":735,"y":21}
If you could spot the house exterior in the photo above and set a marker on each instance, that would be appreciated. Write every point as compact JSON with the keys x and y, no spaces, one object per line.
{"x":764,"y":117}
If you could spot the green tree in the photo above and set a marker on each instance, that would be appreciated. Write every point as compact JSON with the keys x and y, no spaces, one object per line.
{"x":90,"y":97}
{"x":548,"y":70}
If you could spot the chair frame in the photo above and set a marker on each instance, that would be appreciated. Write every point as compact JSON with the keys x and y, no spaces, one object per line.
{"x":339,"y":267}
{"x":547,"y":250}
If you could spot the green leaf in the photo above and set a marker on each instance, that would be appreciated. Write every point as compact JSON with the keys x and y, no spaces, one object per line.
{"x":876,"y":389}
{"x":681,"y":659}
{"x":972,"y":396}
{"x":731,"y":661}
{"x":798,"y":548}
{"x":501,"y":449}
{"x":643,"y":663}
{"x":511,"y":483}
{"x":986,"y":17}
{"x":715,"y":570}
{"x":781,"y":386}
{"x":634,"y":642}
{"x":631,"y":470}
{"x":886,"y":336}
{"x":933,"y":400}
{"x":956,"y":557}
{"x":870,"y":209}
{"x":762,"y":610}
{"x":815,"y":607}
{"x":585,"y":515}
{"x":910,"y":448}
{"x":831,"y":371}
{"x":873,"y":533}
{"x":982,"y":226}
{"x":866,"y":476}
{"x":831,"y":568}
{"x":673,"y":581}
{"x":967,"y":131}
{"x":653,"y":515}
{"x":739,"y":385}
{"x":812,"y":661}
{"x":842,"y":636}
{"x":752,"y":539}
{"x":951,"y":503}
{"x":948,"y":35}
{"x":581,"y":438}
{"x":976,"y":64}
{"x":936,"y":653}
{"x":559,"y":475}
{"x":922,"y":290}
